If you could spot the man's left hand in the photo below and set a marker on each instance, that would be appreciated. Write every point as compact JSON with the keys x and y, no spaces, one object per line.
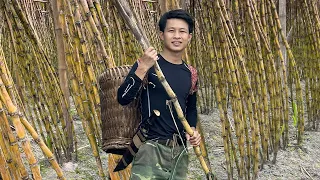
{"x":195,"y":139}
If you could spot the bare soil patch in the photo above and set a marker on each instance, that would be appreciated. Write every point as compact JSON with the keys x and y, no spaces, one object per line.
{"x":292,"y":163}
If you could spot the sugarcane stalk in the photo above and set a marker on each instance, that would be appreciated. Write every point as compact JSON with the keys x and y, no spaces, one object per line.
{"x":4,"y":169}
{"x":59,"y":141}
{"x":20,"y":130}
{"x":50,"y":69}
{"x":285,"y":90}
{"x":295,"y":73}
{"x":261,"y":87}
{"x":20,"y":16}
{"x":93,"y":27}
{"x":247,"y":86}
{"x":17,"y":11}
{"x":72,"y":58}
{"x":311,"y":71}
{"x":17,"y":120}
{"x":9,"y":161}
{"x":221,"y":96}
{"x":61,"y":41}
{"x":211,"y":55}
{"x":274,"y":80}
{"x":236,"y":105}
{"x":201,"y":90}
{"x":85,"y":116}
{"x":46,"y":151}
{"x":5,"y":174}
{"x":17,"y":161}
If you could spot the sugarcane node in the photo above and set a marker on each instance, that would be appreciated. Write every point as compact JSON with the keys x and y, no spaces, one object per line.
{"x":199,"y":155}
{"x":9,"y":160}
{"x":60,"y":177}
{"x":37,"y":140}
{"x":13,"y":143}
{"x":34,"y":164}
{"x":174,"y":98}
{"x":161,"y":78}
{"x":23,"y":139}
{"x":9,"y":86}
{"x":51,"y":159}
{"x":88,"y":14}
{"x":211,"y":176}
{"x":14,"y":114}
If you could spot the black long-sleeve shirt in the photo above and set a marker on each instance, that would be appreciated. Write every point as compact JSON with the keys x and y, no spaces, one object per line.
{"x":154,"y":96}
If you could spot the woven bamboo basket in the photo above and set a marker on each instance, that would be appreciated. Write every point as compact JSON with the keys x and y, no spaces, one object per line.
{"x":119,"y":123}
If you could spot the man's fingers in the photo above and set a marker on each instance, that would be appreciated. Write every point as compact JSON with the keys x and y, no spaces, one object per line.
{"x":153,"y":54}
{"x":187,"y":136}
{"x":149,"y":49}
{"x":196,"y":142}
{"x":195,"y":139}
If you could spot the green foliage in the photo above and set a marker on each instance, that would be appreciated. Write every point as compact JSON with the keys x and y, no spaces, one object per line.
{"x":49,"y":143}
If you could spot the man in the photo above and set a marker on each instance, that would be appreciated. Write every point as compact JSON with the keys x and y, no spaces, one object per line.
{"x":164,"y":154}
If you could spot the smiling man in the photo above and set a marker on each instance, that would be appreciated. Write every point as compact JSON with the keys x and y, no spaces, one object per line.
{"x":163,"y":155}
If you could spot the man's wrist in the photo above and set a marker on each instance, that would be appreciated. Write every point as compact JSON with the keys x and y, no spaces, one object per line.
{"x":141,"y":70}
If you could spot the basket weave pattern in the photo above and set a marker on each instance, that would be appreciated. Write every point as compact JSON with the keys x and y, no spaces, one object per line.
{"x":119,"y":123}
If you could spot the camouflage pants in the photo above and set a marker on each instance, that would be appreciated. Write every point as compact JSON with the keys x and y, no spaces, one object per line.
{"x":156,"y":161}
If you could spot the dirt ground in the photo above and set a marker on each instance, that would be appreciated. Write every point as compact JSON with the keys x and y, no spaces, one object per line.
{"x":292,"y":163}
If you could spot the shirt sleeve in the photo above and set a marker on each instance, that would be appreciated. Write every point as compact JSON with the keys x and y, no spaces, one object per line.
{"x":191,"y":111}
{"x":129,"y":89}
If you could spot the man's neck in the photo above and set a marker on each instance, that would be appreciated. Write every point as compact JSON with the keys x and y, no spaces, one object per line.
{"x":172,"y":57}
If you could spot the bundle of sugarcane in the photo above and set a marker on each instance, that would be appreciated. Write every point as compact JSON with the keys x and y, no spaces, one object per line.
{"x":9,"y":144}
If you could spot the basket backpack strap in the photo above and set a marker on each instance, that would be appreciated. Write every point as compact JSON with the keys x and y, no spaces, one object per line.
{"x":194,"y":80}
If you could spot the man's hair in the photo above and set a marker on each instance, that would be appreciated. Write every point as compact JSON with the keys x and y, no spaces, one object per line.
{"x":176,"y":14}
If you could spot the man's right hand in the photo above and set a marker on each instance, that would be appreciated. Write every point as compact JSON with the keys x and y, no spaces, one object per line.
{"x":147,"y":60}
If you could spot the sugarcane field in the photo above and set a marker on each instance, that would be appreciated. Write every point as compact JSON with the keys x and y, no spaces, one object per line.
{"x":255,"y":83}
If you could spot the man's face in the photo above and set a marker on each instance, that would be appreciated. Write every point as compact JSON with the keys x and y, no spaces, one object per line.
{"x":176,"y":35}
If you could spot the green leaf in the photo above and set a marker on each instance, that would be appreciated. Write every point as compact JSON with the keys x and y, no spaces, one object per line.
{"x":49,"y":143}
